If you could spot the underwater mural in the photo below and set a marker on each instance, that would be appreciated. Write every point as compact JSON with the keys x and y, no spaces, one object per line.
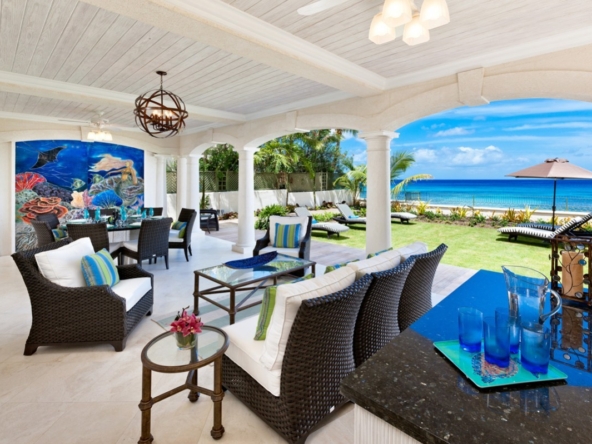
{"x":66,"y":176}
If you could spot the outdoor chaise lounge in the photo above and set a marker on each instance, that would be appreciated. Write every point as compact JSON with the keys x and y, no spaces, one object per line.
{"x":544,"y":234}
{"x":348,"y":217}
{"x":329,"y":227}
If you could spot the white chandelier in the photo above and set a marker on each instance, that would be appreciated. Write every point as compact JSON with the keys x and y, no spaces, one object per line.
{"x":98,"y":132}
{"x":417,"y":24}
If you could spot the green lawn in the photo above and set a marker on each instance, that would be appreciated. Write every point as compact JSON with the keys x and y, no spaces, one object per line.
{"x":469,"y":247}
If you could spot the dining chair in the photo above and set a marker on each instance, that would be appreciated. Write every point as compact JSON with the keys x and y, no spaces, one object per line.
{"x":152,"y":243}
{"x":43,"y":232}
{"x":183,"y":242}
{"x":50,"y":218}
{"x":97,"y":233}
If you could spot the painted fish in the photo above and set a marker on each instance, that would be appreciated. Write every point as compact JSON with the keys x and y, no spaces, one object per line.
{"x":97,"y":178}
{"x":78,"y":183}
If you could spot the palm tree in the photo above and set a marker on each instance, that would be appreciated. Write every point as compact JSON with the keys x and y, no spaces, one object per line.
{"x":400,"y":162}
{"x":353,"y":179}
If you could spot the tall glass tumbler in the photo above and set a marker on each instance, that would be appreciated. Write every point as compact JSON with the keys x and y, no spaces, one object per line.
{"x":535,"y":348}
{"x":496,"y":338}
{"x":514,"y":325}
{"x":470,"y":329}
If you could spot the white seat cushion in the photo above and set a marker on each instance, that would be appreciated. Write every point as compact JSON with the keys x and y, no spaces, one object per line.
{"x":62,"y":266}
{"x":288,"y":299}
{"x":412,"y":249}
{"x":174,"y":236}
{"x":131,"y":245}
{"x":289,"y":251}
{"x":403,"y":215}
{"x":382,"y":262}
{"x":245,"y":352}
{"x":303,"y":221}
{"x":132,"y":290}
{"x":533,"y":232}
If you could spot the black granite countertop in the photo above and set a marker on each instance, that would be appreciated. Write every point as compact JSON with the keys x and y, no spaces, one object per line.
{"x":414,"y":388}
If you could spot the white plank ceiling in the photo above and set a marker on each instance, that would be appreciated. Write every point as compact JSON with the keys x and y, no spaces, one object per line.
{"x":78,"y":43}
{"x":477,"y":27}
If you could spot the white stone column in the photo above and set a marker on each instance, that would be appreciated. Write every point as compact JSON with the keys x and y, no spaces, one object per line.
{"x":161,"y":183}
{"x":194,"y":195}
{"x":182,"y":183}
{"x":378,"y":190}
{"x":246,"y":201}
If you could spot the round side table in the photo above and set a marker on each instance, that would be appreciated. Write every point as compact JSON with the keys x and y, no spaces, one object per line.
{"x":162,"y":355}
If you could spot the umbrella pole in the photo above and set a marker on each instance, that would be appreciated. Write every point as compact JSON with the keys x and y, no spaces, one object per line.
{"x":554,"y":196}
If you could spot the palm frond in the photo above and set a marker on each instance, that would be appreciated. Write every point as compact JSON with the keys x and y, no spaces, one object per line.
{"x":397,"y":188}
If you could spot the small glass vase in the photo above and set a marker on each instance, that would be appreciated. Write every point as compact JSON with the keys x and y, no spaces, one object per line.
{"x":185,"y":342}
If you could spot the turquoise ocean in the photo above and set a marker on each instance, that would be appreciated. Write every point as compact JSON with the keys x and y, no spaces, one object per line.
{"x":572,"y":195}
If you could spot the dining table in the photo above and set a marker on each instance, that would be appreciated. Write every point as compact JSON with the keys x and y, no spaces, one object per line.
{"x":118,"y":234}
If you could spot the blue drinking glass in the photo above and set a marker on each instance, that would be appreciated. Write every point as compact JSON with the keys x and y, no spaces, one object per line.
{"x":85,"y":214}
{"x":143,"y":214}
{"x":470,"y":329}
{"x":151,"y":212}
{"x":496,"y":336}
{"x":97,"y":215}
{"x":514,"y":325}
{"x":123,"y":214}
{"x":535,"y":348}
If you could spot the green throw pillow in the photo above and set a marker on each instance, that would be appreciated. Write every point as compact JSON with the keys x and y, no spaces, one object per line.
{"x":267,"y":306}
{"x":378,"y":252}
{"x":181,"y":226}
{"x":99,"y":269}
{"x":58,"y":234}
{"x":331,"y":268}
{"x":287,"y":236}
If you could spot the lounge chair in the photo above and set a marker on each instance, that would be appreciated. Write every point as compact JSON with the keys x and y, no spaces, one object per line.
{"x":544,"y":225}
{"x":347,"y":216}
{"x":328,"y":227}
{"x":544,"y":234}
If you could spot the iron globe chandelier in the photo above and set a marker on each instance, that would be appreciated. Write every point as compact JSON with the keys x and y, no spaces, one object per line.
{"x":160,"y":113}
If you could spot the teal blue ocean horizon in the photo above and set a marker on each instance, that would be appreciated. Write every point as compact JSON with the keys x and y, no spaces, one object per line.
{"x":572,"y":195}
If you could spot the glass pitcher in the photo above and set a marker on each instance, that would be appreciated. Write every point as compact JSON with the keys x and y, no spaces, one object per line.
{"x":527,"y":293}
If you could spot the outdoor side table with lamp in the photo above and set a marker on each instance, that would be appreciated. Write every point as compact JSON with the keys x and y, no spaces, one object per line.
{"x":162,"y":355}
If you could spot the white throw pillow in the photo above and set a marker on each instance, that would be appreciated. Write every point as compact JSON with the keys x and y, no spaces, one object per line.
{"x":382,"y":262}
{"x":62,"y":265}
{"x":412,"y":249}
{"x":303,"y":221}
{"x":288,"y":299}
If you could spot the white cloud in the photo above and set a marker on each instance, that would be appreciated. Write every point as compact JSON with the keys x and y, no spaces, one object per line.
{"x":462,"y":156}
{"x":458,"y":131}
{"x":360,"y":157}
{"x":424,"y":155}
{"x":466,"y":156}
{"x":522,"y":108}
{"x":563,"y":125}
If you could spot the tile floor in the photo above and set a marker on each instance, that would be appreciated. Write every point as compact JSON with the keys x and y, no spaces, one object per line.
{"x":90,"y":394}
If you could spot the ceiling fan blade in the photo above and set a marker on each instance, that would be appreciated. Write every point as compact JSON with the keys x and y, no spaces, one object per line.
{"x":75,"y":121}
{"x":319,"y":6}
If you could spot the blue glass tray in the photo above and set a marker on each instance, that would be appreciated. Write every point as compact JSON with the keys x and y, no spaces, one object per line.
{"x":252,"y":262}
{"x":485,"y":375}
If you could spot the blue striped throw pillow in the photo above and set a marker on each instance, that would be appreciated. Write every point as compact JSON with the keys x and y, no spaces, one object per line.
{"x":287,"y":236}
{"x":181,"y":226}
{"x":99,"y":269}
{"x":58,"y":234}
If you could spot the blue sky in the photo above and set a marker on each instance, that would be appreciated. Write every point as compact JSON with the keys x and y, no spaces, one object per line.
{"x":487,"y":142}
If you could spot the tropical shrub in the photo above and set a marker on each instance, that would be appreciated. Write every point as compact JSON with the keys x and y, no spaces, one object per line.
{"x":396,"y":206}
{"x":262,"y":222}
{"x":325,"y":216}
{"x":460,"y":212}
{"x":204,"y":202}
{"x":509,"y":215}
{"x":421,"y":207}
{"x":430,"y":215}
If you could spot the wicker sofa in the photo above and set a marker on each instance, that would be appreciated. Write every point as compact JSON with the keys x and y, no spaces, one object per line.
{"x":79,"y":315}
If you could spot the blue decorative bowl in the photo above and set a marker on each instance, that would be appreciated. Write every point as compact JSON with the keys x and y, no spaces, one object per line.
{"x":252,"y":262}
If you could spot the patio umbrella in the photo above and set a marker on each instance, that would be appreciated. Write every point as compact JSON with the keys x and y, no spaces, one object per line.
{"x":556,"y":169}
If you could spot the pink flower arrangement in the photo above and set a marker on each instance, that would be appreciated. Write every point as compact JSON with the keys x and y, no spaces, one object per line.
{"x":186,"y":323}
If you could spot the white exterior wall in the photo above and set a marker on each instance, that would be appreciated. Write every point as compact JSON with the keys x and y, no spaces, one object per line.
{"x":149,"y":180}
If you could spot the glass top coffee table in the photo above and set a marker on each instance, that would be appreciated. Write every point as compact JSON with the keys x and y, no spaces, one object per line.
{"x":162,"y":355}
{"x":231,"y":281}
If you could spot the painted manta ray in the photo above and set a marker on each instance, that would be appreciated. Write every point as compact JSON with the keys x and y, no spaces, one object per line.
{"x":47,"y":156}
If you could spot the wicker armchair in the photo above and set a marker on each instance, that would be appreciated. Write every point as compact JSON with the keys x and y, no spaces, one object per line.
{"x":416,"y":299}
{"x":208,"y":219}
{"x":378,"y":321}
{"x":43,"y":232}
{"x":50,"y":218}
{"x":107,"y":212}
{"x":97,"y":233}
{"x":153,"y":242}
{"x":185,"y":242}
{"x":185,"y":214}
{"x":319,"y":354}
{"x":303,"y":249}
{"x":78,"y":315}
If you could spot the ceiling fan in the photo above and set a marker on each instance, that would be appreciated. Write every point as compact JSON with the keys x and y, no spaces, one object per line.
{"x":99,"y":127}
{"x":386,"y":25}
